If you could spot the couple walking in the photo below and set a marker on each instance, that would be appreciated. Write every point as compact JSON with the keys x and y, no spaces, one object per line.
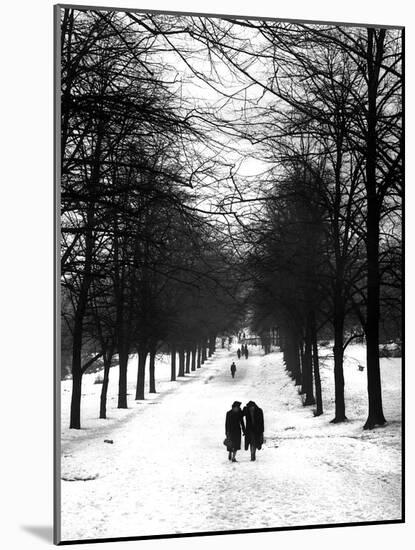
{"x":243,"y":351}
{"x":252,"y":429}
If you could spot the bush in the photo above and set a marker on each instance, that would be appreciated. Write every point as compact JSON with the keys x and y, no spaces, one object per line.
{"x":324,"y":343}
{"x":392,"y":349}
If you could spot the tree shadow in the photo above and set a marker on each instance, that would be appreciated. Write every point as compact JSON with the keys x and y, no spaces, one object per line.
{"x":43,"y":532}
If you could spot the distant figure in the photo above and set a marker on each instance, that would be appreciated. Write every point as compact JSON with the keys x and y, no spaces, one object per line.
{"x":233,"y":425}
{"x":243,"y":349}
{"x":238,"y":353}
{"x":233,"y":369}
{"x":254,"y":431}
{"x":230,"y":340}
{"x":246,"y":352}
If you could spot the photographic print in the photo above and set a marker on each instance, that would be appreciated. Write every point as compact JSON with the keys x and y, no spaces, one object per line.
{"x":229,"y":240}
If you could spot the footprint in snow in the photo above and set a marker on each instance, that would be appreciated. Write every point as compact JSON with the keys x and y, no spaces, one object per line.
{"x":80,"y":477}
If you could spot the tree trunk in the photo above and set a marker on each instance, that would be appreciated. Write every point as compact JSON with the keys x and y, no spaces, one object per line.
{"x":286,"y":349}
{"x":308,"y":368}
{"x":152,"y":371}
{"x":104,"y":389}
{"x":212,"y":344}
{"x":122,"y":381}
{"x":173,"y":363}
{"x":338,"y":323}
{"x":199,"y":356}
{"x":298,"y":354}
{"x":75,"y":421}
{"x":340,"y":408}
{"x":316,"y":365}
{"x":194,"y":351}
{"x":141,"y":374}
{"x":374,"y":387}
{"x":204,"y":354}
{"x":295,"y":351}
{"x":181,"y":361}
{"x":289,"y":357}
{"x":188,"y":354}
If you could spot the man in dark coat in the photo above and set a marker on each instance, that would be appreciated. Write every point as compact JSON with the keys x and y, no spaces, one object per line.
{"x":233,"y":369}
{"x":254,"y":431}
{"x":246,"y":352}
{"x":233,"y":424}
{"x":238,"y":353}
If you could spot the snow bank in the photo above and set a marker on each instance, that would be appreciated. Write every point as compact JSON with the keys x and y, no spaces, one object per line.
{"x":167,"y":469}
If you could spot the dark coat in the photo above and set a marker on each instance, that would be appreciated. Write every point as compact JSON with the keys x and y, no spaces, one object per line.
{"x":233,"y":424}
{"x":254,"y":430}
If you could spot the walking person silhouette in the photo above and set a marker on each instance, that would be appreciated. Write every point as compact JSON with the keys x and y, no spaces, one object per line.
{"x":254,"y":430}
{"x":233,"y":424}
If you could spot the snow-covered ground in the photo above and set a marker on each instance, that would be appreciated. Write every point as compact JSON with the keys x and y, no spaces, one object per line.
{"x":167,"y":469}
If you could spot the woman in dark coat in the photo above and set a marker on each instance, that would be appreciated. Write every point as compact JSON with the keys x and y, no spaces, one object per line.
{"x":233,"y":424}
{"x":254,"y":431}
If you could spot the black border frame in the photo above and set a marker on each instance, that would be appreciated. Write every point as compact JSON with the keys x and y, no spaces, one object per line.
{"x":57,"y":301}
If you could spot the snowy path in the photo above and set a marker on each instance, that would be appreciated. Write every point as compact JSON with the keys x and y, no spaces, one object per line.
{"x":167,"y":471}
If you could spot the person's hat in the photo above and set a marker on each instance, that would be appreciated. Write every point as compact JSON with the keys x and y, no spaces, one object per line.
{"x":251,"y":404}
{"x":236,"y":404}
